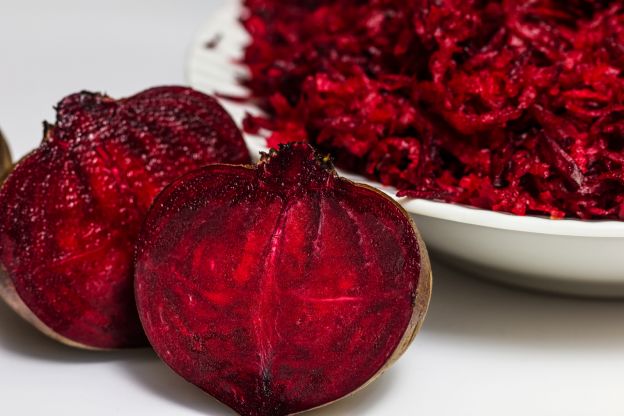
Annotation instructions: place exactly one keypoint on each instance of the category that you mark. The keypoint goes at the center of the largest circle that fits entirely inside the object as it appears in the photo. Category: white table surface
(484, 350)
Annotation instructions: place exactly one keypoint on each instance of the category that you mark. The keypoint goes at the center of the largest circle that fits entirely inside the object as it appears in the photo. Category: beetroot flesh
(72, 209)
(514, 106)
(282, 287)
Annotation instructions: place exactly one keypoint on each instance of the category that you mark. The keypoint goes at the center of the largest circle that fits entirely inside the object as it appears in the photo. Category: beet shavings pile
(514, 106)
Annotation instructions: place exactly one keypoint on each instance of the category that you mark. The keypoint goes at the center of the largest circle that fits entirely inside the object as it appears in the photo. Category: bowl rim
(479, 217)
(419, 207)
(511, 222)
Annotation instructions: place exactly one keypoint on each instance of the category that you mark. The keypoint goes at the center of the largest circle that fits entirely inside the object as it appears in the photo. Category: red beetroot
(509, 105)
(282, 287)
(72, 209)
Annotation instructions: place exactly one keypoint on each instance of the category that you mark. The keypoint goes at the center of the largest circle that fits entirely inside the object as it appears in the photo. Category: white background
(484, 350)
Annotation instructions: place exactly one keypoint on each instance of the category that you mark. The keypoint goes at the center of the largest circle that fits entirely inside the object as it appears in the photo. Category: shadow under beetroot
(18, 337)
(148, 372)
(361, 401)
(153, 375)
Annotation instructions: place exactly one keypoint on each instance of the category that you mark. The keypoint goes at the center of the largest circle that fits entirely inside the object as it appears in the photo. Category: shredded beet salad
(512, 105)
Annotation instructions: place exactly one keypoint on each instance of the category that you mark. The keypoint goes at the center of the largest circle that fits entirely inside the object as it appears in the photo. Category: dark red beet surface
(279, 288)
(512, 105)
(71, 210)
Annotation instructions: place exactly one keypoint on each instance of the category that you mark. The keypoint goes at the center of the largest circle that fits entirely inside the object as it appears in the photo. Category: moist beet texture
(511, 105)
(72, 209)
(278, 288)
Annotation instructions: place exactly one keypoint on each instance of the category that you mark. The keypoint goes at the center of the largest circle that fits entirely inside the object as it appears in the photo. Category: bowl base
(552, 286)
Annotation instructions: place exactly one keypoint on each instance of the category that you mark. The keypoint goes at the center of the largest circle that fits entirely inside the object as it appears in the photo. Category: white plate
(565, 256)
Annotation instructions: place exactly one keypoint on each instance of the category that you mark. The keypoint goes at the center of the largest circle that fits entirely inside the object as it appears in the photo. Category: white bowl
(565, 256)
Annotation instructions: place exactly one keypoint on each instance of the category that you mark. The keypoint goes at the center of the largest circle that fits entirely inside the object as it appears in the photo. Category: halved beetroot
(282, 287)
(71, 210)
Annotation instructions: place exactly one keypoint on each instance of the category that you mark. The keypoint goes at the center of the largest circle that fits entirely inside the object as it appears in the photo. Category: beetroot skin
(5, 158)
(72, 209)
(282, 287)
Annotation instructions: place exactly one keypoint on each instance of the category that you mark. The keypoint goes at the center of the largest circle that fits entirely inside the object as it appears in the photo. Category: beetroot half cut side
(72, 209)
(281, 287)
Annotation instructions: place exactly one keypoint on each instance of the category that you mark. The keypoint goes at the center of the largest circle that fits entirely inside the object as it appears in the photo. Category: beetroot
(512, 105)
(282, 287)
(72, 209)
(5, 158)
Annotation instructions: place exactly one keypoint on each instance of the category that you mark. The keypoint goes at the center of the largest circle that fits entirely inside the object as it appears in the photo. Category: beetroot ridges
(282, 287)
(71, 209)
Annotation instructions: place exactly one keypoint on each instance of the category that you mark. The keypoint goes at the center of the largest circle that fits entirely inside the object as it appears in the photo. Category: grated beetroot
(514, 106)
